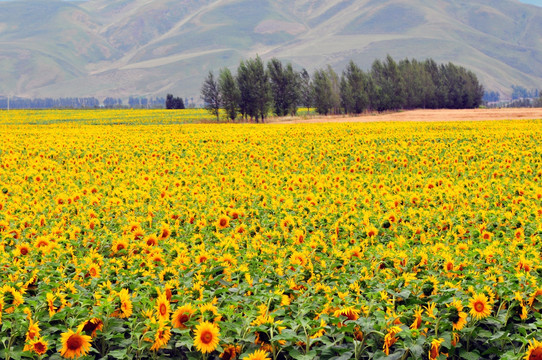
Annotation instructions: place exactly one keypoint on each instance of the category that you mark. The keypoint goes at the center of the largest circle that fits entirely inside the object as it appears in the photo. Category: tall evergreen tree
(389, 84)
(306, 89)
(323, 92)
(380, 94)
(335, 90)
(420, 84)
(246, 90)
(347, 95)
(211, 95)
(229, 93)
(262, 97)
(285, 84)
(437, 98)
(355, 98)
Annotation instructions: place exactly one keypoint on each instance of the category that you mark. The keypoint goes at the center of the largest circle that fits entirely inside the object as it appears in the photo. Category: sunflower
(457, 316)
(37, 345)
(162, 307)
(41, 242)
(23, 249)
(524, 311)
(349, 312)
(91, 326)
(206, 337)
(534, 352)
(257, 355)
(151, 240)
(94, 270)
(182, 315)
(230, 352)
(74, 344)
(209, 310)
(126, 307)
(11, 298)
(536, 297)
(430, 286)
(165, 232)
(390, 339)
(138, 234)
(480, 306)
(161, 338)
(418, 311)
(51, 303)
(119, 245)
(33, 330)
(434, 352)
(222, 222)
(371, 231)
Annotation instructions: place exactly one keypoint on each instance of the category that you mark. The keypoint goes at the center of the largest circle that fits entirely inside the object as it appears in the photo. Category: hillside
(138, 47)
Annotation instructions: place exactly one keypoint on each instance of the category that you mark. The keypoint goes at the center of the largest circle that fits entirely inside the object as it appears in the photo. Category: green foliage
(323, 92)
(174, 102)
(285, 87)
(389, 85)
(229, 93)
(307, 95)
(254, 88)
(354, 96)
(210, 95)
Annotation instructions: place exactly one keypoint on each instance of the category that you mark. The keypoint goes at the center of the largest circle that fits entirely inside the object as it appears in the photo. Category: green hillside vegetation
(134, 47)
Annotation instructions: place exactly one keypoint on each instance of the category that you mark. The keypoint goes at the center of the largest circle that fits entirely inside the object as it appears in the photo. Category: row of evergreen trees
(257, 89)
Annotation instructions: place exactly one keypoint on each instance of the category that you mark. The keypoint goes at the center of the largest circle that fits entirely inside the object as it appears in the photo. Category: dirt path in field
(424, 115)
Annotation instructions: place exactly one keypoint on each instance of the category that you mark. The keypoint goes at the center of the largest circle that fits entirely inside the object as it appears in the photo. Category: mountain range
(119, 48)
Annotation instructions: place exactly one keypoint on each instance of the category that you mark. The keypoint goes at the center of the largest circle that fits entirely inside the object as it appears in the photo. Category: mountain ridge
(136, 47)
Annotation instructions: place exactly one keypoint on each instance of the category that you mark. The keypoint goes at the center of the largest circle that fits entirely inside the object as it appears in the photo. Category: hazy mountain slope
(141, 47)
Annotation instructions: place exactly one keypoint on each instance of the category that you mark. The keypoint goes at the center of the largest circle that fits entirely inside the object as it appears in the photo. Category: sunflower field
(142, 239)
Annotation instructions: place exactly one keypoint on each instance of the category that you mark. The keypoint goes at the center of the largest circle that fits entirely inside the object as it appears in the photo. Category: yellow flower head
(206, 337)
(534, 352)
(257, 355)
(74, 344)
(480, 306)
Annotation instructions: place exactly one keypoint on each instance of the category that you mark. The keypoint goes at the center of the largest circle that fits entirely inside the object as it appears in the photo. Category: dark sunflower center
(39, 347)
(428, 289)
(206, 337)
(351, 316)
(75, 342)
(454, 315)
(536, 354)
(263, 337)
(90, 327)
(163, 309)
(479, 306)
(223, 222)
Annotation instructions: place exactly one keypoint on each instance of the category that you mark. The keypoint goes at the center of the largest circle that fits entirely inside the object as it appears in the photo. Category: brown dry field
(424, 115)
